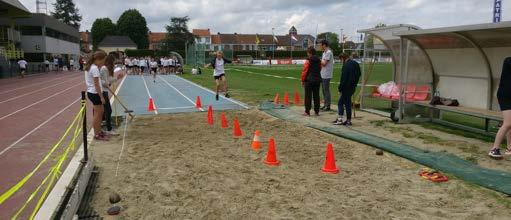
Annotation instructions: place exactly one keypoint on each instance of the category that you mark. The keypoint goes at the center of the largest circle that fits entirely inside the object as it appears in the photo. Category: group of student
(318, 72)
(100, 75)
(142, 65)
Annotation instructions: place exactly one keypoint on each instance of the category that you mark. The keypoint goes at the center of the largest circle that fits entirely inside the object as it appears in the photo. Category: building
(248, 42)
(156, 40)
(10, 36)
(202, 36)
(44, 37)
(85, 41)
(116, 44)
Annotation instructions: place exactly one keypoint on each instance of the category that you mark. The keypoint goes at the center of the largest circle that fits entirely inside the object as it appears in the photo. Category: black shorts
(142, 68)
(218, 77)
(130, 67)
(47, 65)
(94, 98)
(23, 69)
(154, 69)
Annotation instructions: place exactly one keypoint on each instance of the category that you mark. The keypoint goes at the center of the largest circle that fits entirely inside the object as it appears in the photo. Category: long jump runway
(171, 94)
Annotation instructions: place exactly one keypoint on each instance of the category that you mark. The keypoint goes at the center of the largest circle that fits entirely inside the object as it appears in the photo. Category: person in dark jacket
(504, 98)
(219, 73)
(311, 81)
(349, 79)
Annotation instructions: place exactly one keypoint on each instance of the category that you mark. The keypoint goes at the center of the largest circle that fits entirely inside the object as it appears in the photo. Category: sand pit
(178, 167)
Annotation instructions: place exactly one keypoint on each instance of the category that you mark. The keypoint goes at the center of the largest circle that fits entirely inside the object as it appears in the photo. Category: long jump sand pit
(179, 167)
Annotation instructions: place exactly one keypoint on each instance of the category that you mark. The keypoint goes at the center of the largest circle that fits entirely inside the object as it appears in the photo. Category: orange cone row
(286, 102)
(271, 155)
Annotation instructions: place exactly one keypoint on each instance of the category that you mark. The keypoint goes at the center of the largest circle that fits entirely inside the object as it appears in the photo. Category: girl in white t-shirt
(94, 91)
(154, 68)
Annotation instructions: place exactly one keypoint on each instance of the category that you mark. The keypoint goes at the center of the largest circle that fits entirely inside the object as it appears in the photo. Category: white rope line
(122, 146)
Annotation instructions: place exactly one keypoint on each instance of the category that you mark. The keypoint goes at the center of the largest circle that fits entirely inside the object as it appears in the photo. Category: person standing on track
(23, 67)
(154, 68)
(504, 98)
(219, 73)
(93, 82)
(350, 75)
(107, 78)
(327, 70)
(311, 81)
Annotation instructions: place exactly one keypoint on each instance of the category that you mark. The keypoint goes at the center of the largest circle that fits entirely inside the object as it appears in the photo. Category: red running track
(34, 113)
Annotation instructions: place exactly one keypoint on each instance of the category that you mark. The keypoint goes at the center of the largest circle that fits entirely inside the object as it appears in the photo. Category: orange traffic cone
(276, 99)
(198, 103)
(210, 115)
(151, 105)
(237, 131)
(286, 98)
(271, 155)
(225, 124)
(297, 98)
(330, 166)
(256, 143)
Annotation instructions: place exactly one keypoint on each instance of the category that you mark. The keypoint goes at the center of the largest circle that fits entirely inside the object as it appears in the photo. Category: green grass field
(254, 87)
(253, 84)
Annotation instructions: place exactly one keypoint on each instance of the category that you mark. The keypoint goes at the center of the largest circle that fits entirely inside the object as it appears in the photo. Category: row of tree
(131, 23)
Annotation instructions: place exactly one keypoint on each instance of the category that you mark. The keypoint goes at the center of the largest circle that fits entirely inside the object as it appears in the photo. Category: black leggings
(107, 114)
(312, 93)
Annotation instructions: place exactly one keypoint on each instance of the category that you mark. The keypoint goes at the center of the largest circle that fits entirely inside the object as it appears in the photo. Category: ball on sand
(379, 152)
(114, 198)
(114, 210)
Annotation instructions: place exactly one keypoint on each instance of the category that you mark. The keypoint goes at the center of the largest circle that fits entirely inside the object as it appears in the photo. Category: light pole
(273, 42)
(342, 42)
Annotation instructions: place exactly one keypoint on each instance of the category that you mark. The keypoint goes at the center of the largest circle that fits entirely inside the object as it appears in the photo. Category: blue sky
(244, 16)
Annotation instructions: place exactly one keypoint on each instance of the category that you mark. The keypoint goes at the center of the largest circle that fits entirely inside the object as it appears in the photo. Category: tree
(333, 39)
(131, 23)
(178, 34)
(66, 11)
(101, 28)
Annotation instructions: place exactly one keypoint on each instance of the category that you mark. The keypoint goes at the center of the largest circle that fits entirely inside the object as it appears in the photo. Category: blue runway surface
(171, 94)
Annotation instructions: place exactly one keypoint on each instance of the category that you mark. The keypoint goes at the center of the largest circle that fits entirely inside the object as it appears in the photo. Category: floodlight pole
(273, 42)
(342, 41)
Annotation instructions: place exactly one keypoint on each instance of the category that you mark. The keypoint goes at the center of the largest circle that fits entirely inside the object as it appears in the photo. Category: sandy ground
(418, 136)
(178, 167)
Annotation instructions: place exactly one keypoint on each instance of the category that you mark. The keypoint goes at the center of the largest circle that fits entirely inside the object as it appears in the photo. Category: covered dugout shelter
(462, 62)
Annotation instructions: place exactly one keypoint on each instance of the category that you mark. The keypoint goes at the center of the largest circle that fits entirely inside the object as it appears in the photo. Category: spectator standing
(350, 75)
(327, 70)
(311, 81)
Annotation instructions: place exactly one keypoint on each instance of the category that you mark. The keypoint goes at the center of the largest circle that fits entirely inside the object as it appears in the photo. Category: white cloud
(251, 16)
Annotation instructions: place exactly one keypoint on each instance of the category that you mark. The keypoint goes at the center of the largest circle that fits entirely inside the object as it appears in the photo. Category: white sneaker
(112, 133)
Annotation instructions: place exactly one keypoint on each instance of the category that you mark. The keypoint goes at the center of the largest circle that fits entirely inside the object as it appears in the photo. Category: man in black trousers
(350, 76)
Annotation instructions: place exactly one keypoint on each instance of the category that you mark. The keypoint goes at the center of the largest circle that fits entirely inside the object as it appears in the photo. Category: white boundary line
(166, 82)
(122, 146)
(30, 85)
(197, 85)
(54, 199)
(185, 107)
(39, 126)
(42, 100)
(148, 93)
(17, 97)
